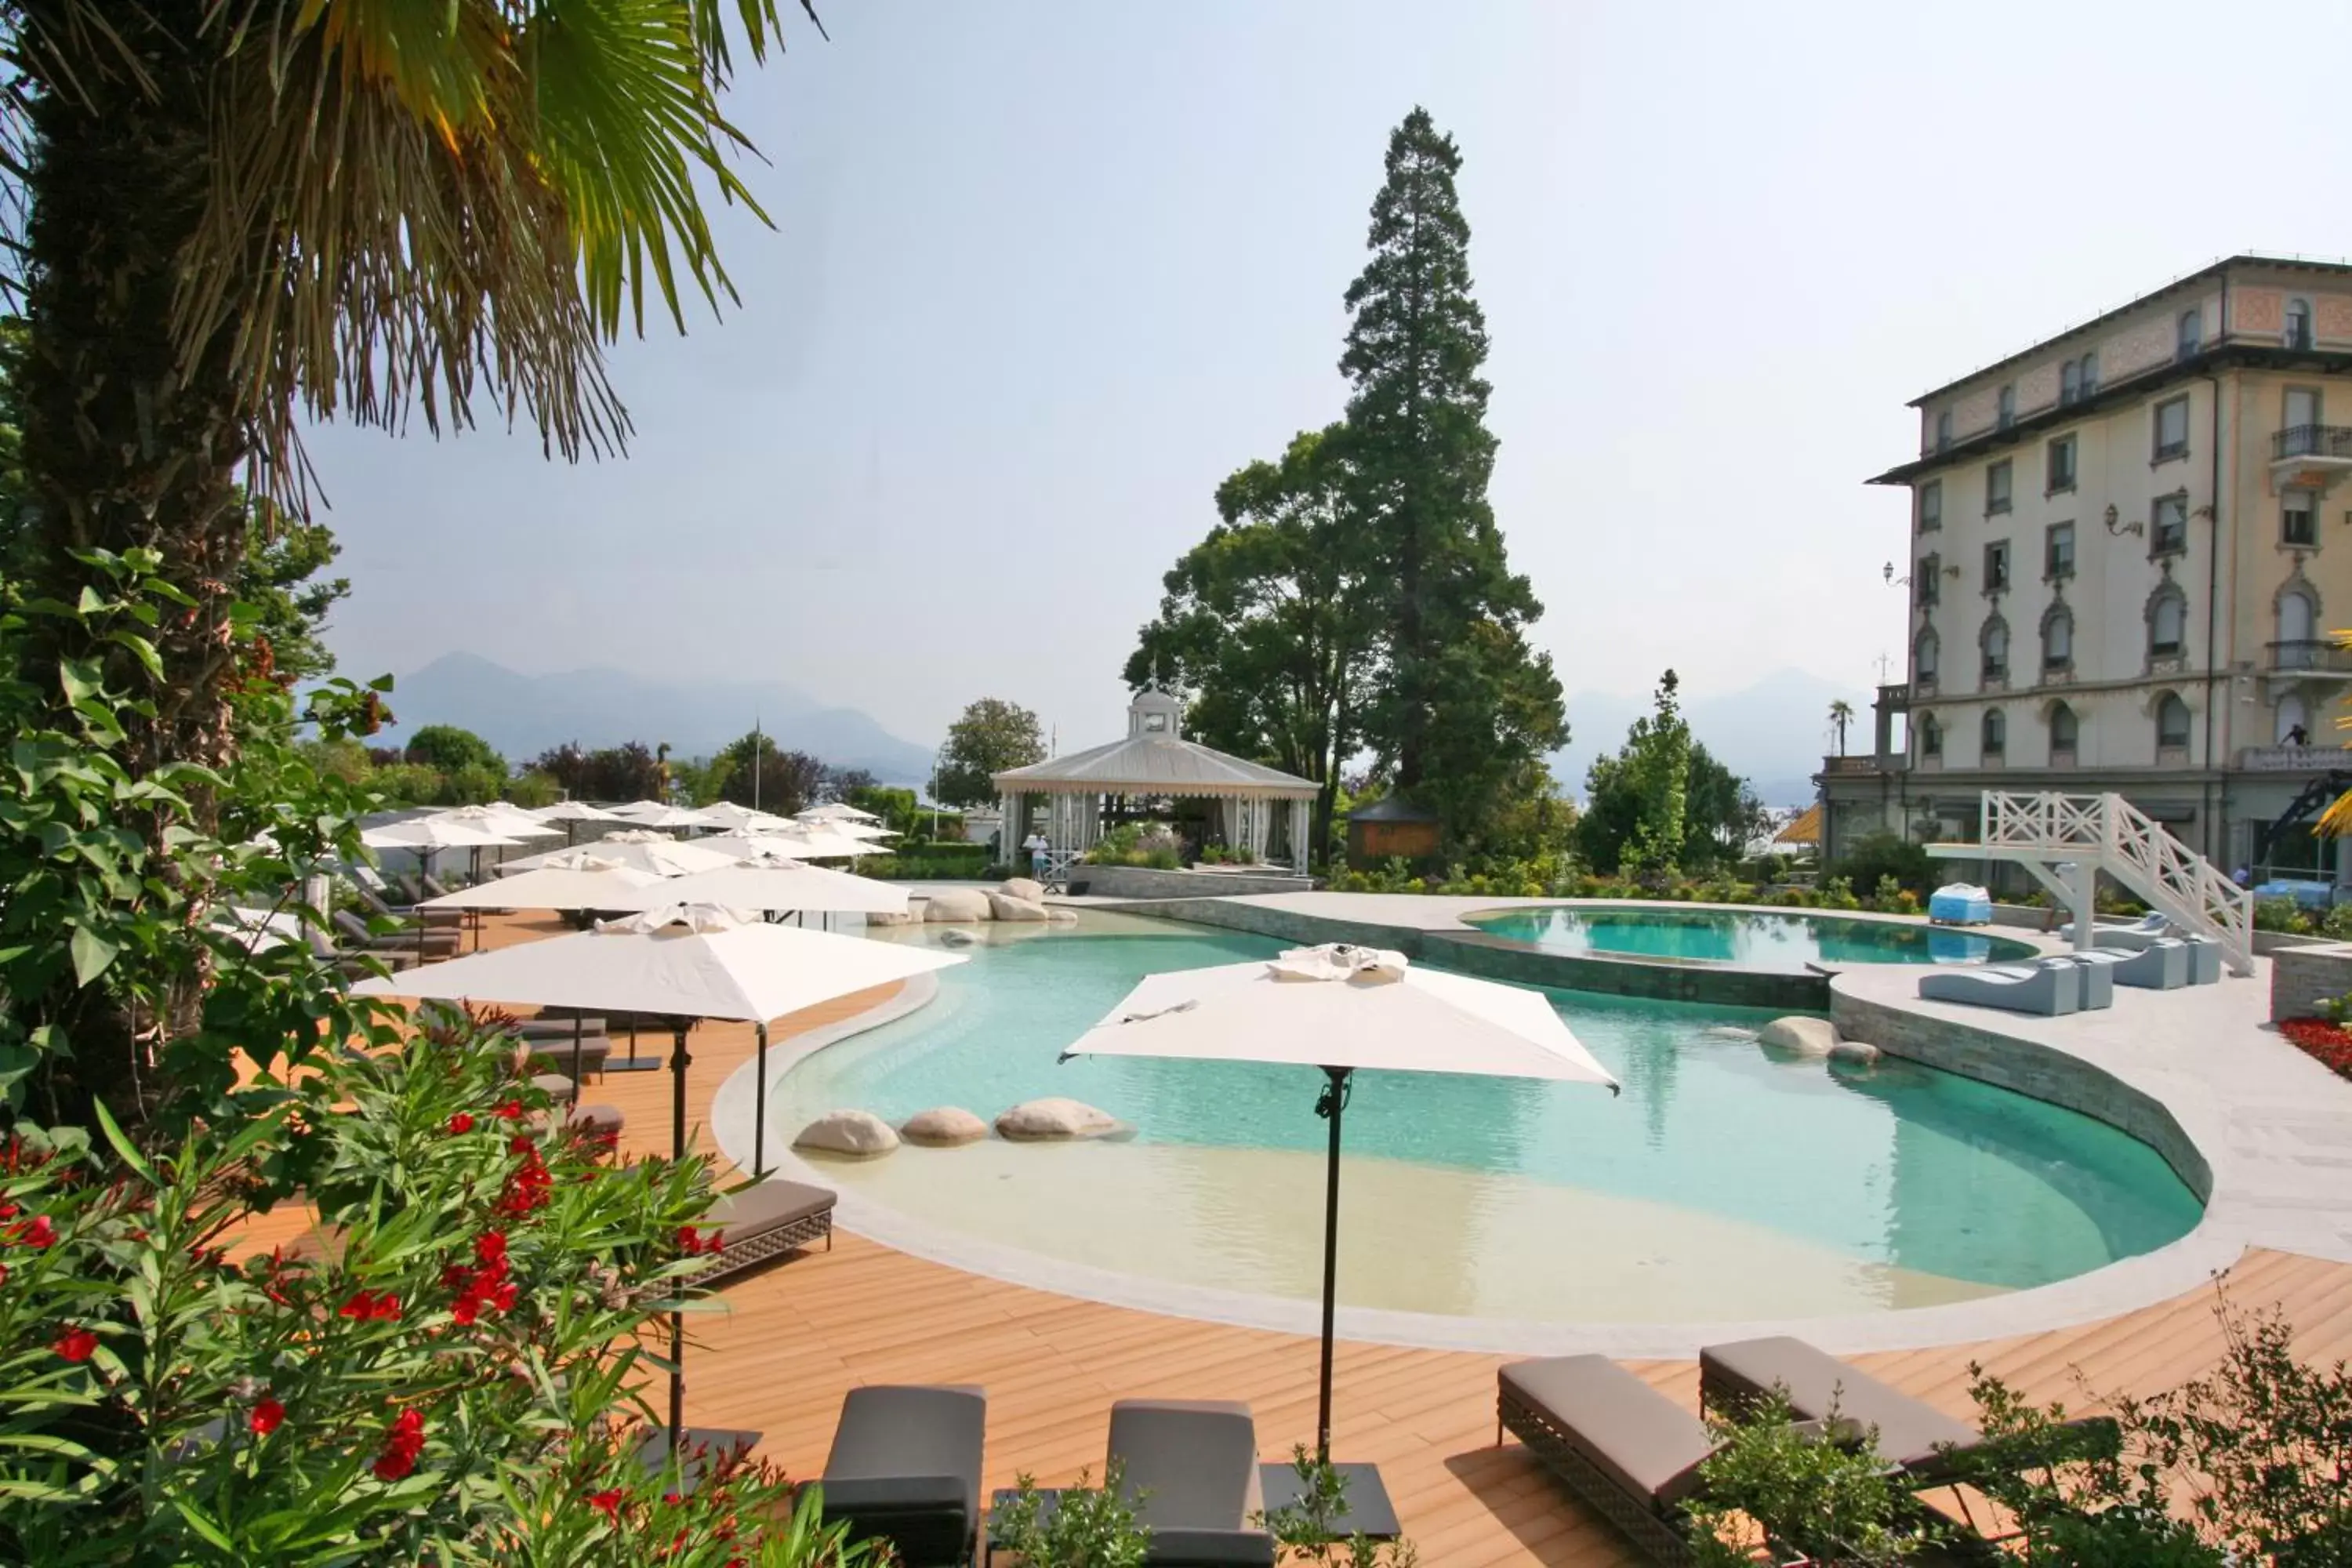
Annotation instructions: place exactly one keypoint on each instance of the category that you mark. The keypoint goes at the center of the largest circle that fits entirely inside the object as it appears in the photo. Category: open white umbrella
(656, 852)
(732, 818)
(836, 811)
(669, 816)
(499, 817)
(1340, 1009)
(432, 833)
(636, 808)
(803, 842)
(690, 962)
(571, 814)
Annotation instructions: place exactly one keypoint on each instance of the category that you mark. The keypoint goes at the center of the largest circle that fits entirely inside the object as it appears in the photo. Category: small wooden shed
(1390, 828)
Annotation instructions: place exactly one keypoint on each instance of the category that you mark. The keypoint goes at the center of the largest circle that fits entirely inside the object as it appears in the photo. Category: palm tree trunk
(128, 441)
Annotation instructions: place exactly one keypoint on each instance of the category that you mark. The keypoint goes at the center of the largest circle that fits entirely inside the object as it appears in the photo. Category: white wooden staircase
(2064, 839)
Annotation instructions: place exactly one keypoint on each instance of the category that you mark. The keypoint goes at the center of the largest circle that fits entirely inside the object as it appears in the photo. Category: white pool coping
(2273, 1127)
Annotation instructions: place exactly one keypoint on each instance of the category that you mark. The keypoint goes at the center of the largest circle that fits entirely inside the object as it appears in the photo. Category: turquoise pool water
(1894, 1185)
(1786, 942)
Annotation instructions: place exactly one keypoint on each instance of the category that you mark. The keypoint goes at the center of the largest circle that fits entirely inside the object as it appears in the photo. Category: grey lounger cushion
(767, 1220)
(602, 1121)
(1909, 1432)
(555, 1086)
(2021, 989)
(2204, 959)
(1192, 1464)
(2094, 973)
(2161, 965)
(905, 1467)
(1640, 1440)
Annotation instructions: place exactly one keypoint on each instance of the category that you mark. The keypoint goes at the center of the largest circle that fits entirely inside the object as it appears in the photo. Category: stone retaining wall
(2302, 977)
(1150, 882)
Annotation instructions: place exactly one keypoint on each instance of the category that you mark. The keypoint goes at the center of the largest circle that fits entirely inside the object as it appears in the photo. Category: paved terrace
(794, 1337)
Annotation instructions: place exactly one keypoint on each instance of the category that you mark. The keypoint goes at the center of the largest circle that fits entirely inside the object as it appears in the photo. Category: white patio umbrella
(571, 814)
(430, 835)
(809, 843)
(690, 962)
(668, 817)
(732, 818)
(498, 816)
(656, 852)
(633, 808)
(836, 811)
(1340, 1009)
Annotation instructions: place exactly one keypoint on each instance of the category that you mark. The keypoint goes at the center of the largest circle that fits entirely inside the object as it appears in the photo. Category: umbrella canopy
(808, 843)
(773, 887)
(637, 807)
(432, 833)
(836, 811)
(654, 852)
(752, 845)
(736, 818)
(1341, 1008)
(865, 830)
(665, 816)
(574, 811)
(498, 818)
(583, 881)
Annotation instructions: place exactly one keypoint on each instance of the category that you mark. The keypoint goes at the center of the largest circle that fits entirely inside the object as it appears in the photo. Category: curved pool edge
(734, 1104)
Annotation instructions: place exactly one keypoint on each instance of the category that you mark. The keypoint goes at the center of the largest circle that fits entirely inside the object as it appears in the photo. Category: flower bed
(2325, 1042)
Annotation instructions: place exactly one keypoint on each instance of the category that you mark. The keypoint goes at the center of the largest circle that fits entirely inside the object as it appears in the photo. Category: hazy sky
(1043, 274)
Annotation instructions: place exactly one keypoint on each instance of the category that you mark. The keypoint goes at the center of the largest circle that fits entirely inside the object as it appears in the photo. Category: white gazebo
(1262, 810)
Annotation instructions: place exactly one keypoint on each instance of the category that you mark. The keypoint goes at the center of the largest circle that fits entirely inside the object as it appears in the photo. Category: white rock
(1035, 1119)
(1799, 1036)
(958, 939)
(1006, 907)
(1727, 1032)
(847, 1132)
(1023, 888)
(943, 1127)
(956, 904)
(1060, 916)
(1862, 1053)
(912, 915)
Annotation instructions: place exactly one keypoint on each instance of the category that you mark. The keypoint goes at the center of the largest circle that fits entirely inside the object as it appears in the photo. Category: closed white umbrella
(656, 852)
(690, 962)
(1340, 1009)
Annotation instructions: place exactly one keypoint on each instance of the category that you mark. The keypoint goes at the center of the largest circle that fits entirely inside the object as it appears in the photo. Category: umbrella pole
(1333, 1101)
(579, 1025)
(678, 1062)
(759, 1110)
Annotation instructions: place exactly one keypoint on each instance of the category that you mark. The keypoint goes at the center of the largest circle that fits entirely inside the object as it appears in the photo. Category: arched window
(1922, 657)
(2065, 729)
(2192, 334)
(2167, 622)
(1995, 643)
(2297, 619)
(2172, 723)
(2058, 638)
(1943, 429)
(1996, 733)
(1931, 736)
(2298, 324)
(2005, 411)
(2070, 382)
(2090, 373)
(2293, 721)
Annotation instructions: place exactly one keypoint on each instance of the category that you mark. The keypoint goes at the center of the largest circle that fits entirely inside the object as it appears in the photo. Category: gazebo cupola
(1156, 711)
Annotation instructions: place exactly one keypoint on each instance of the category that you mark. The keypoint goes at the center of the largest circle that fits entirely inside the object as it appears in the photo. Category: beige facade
(2127, 548)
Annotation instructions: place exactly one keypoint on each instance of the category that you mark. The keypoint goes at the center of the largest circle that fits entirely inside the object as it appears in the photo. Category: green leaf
(123, 1145)
(80, 676)
(91, 954)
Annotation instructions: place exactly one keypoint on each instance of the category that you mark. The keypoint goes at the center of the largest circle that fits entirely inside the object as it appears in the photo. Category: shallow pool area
(1784, 942)
(1726, 1182)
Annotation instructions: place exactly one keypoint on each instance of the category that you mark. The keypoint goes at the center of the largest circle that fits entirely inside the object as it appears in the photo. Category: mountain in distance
(1773, 733)
(524, 715)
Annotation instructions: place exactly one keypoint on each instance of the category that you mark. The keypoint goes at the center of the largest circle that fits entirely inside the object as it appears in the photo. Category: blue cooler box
(1960, 905)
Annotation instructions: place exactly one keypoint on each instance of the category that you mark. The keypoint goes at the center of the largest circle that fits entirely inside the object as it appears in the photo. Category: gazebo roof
(1155, 759)
(1805, 830)
(1391, 808)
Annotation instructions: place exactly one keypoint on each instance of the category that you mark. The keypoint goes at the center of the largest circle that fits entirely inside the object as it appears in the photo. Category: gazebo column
(1302, 817)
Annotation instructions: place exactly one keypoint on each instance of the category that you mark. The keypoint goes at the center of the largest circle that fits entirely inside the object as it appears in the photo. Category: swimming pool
(1725, 1183)
(1786, 944)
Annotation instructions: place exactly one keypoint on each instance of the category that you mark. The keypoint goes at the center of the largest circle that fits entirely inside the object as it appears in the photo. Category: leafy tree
(629, 772)
(991, 736)
(755, 771)
(1657, 756)
(842, 783)
(1721, 815)
(1271, 622)
(449, 748)
(1878, 855)
(1633, 805)
(1460, 701)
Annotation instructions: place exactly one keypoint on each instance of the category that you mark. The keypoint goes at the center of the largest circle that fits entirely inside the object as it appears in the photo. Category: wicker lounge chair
(603, 1121)
(904, 1468)
(2018, 989)
(1190, 1467)
(1626, 1449)
(767, 1220)
(433, 920)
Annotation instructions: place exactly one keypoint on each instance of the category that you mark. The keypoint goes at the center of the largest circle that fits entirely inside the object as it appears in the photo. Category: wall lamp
(2113, 527)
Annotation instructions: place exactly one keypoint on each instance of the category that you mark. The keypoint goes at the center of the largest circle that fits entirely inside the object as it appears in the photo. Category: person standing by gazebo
(1038, 848)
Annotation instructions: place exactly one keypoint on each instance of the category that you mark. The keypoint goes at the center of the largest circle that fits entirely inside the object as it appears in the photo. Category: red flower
(265, 1416)
(522, 1143)
(715, 1243)
(467, 1308)
(368, 1307)
(490, 1249)
(9, 1211)
(461, 1122)
(4, 1274)
(402, 1445)
(607, 1503)
(34, 1232)
(75, 1344)
(511, 1111)
(505, 1295)
(673, 1499)
(689, 1241)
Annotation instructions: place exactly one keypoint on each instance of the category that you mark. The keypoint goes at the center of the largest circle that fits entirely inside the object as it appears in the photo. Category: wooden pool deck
(796, 1336)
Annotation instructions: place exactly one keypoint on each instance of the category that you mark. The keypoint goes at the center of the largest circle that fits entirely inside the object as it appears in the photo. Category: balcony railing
(2293, 759)
(2316, 654)
(1862, 763)
(2312, 441)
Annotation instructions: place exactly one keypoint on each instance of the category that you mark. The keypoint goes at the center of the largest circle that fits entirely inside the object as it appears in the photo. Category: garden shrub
(2282, 915)
(1830, 1503)
(1878, 855)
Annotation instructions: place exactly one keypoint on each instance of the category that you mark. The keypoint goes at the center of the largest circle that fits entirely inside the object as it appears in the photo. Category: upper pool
(1749, 938)
(1725, 1182)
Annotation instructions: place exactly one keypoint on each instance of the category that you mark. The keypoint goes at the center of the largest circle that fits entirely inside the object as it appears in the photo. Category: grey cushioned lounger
(2204, 959)
(2161, 965)
(1192, 1464)
(2019, 989)
(2094, 972)
(1733, 1377)
(1625, 1449)
(767, 1220)
(904, 1468)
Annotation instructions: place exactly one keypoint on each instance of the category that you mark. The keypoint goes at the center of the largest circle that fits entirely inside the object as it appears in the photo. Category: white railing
(2134, 849)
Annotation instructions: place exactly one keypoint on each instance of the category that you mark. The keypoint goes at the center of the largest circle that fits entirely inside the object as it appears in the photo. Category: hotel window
(2064, 731)
(2061, 464)
(2189, 336)
(2171, 429)
(2005, 413)
(1997, 488)
(2299, 518)
(2298, 324)
(1997, 567)
(2070, 383)
(1931, 736)
(1996, 649)
(2294, 722)
(1944, 430)
(2058, 638)
(2297, 619)
(2090, 373)
(2058, 552)
(1923, 579)
(2167, 622)
(1996, 734)
(2172, 723)
(1931, 505)
(2167, 524)
(1922, 658)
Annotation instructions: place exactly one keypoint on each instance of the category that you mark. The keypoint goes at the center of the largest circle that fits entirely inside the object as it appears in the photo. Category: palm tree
(1841, 715)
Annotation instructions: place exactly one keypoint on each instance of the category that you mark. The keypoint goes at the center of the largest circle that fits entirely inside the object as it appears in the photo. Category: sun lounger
(1620, 1445)
(2161, 965)
(904, 1468)
(433, 920)
(429, 944)
(2204, 959)
(1190, 1468)
(2094, 973)
(1734, 1377)
(555, 1086)
(767, 1220)
(2018, 989)
(605, 1121)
